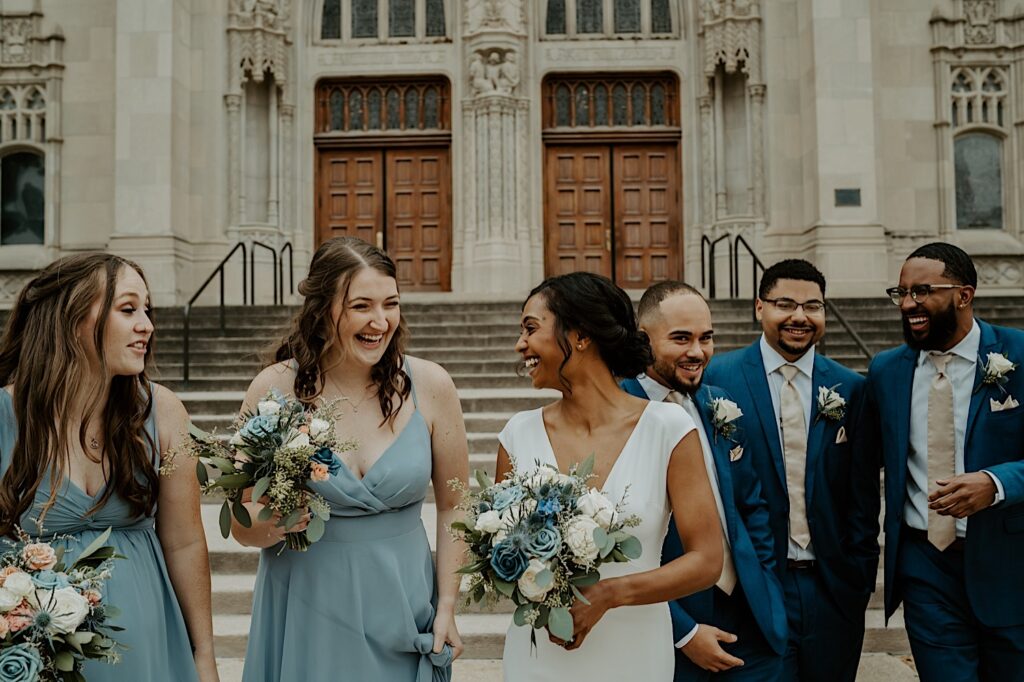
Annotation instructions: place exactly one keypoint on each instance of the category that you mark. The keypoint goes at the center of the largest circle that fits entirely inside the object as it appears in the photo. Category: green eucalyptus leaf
(222, 463)
(519, 617)
(241, 513)
(600, 537)
(585, 579)
(545, 579)
(560, 623)
(201, 473)
(315, 529)
(543, 613)
(631, 547)
(579, 595)
(225, 520)
(292, 518)
(65, 661)
(233, 481)
(503, 587)
(586, 467)
(260, 489)
(483, 479)
(265, 514)
(100, 540)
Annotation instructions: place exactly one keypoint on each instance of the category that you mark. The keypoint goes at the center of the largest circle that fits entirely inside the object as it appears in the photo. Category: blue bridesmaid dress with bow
(359, 604)
(157, 647)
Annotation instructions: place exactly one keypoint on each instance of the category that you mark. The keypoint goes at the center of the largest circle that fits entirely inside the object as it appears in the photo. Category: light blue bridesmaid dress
(359, 604)
(158, 648)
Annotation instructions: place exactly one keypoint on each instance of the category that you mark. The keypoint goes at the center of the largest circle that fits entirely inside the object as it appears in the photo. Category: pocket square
(736, 453)
(1007, 404)
(841, 436)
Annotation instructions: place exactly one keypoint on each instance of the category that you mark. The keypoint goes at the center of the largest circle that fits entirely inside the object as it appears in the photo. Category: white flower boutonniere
(831, 405)
(723, 413)
(995, 370)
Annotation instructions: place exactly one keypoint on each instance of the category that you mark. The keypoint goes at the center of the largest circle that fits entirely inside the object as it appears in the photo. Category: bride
(578, 333)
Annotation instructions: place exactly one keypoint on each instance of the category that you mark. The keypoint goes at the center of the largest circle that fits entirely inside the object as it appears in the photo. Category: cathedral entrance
(384, 173)
(612, 178)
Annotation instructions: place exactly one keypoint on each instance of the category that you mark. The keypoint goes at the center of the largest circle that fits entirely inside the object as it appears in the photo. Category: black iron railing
(219, 270)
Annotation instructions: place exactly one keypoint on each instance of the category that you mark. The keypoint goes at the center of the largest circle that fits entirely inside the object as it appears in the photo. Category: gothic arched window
(382, 19)
(22, 198)
(608, 18)
(978, 168)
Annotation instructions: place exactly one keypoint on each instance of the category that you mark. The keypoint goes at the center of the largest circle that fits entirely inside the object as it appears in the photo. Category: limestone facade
(846, 132)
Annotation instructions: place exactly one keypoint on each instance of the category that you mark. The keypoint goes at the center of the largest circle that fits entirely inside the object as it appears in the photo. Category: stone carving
(731, 32)
(716, 10)
(981, 27)
(999, 272)
(493, 72)
(259, 40)
(495, 15)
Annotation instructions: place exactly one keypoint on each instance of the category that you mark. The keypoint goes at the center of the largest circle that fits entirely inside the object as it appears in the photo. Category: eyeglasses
(788, 305)
(918, 293)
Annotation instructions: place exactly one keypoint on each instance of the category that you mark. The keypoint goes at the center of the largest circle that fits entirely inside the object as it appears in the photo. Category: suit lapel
(720, 448)
(757, 384)
(816, 442)
(900, 387)
(979, 396)
(633, 387)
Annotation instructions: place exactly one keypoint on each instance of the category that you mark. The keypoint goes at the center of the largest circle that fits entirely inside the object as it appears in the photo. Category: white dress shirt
(961, 372)
(658, 393)
(803, 381)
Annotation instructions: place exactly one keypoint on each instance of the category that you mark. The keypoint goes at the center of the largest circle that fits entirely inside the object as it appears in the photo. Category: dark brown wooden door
(613, 210)
(398, 199)
(578, 210)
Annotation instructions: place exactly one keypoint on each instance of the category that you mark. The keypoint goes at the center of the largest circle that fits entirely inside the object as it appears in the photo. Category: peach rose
(20, 617)
(39, 556)
(303, 429)
(5, 628)
(93, 596)
(318, 472)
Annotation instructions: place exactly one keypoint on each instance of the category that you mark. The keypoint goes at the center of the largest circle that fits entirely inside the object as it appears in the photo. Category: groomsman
(802, 412)
(738, 627)
(952, 443)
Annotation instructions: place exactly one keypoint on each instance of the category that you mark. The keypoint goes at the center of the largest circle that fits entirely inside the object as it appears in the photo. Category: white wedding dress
(629, 642)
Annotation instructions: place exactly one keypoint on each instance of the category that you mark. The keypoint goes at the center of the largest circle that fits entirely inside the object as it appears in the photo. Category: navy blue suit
(754, 611)
(825, 603)
(964, 610)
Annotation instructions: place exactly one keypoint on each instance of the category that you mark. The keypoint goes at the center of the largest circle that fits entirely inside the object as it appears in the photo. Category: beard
(798, 350)
(941, 330)
(666, 371)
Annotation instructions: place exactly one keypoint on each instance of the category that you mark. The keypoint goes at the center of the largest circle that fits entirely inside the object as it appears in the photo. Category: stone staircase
(474, 342)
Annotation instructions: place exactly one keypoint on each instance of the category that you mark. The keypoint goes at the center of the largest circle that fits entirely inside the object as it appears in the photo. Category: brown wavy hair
(312, 332)
(46, 362)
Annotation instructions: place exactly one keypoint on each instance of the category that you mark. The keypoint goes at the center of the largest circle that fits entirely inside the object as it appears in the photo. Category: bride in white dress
(579, 333)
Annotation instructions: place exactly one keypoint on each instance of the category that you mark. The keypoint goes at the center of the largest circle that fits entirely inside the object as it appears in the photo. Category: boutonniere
(723, 413)
(995, 370)
(831, 405)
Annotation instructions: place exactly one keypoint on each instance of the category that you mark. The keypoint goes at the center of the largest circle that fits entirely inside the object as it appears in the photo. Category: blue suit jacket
(994, 441)
(835, 483)
(750, 538)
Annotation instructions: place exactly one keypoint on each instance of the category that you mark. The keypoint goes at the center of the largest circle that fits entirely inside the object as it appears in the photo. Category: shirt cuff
(1000, 495)
(687, 637)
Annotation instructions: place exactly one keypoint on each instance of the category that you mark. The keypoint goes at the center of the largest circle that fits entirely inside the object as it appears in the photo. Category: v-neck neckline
(618, 458)
(390, 446)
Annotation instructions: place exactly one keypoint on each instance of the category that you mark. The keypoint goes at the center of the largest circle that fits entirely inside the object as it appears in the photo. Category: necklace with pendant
(352, 403)
(94, 443)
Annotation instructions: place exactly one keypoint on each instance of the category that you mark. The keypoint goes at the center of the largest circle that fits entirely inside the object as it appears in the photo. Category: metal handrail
(219, 270)
(252, 274)
(755, 263)
(834, 309)
(291, 269)
(710, 281)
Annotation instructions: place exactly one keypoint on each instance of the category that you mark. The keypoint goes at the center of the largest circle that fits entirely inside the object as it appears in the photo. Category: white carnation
(528, 586)
(8, 600)
(489, 522)
(579, 535)
(300, 441)
(266, 407)
(595, 505)
(318, 428)
(67, 608)
(20, 584)
(999, 364)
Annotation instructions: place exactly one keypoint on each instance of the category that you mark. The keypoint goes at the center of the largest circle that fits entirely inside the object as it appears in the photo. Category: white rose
(500, 535)
(562, 479)
(20, 584)
(999, 364)
(318, 427)
(265, 407)
(300, 441)
(8, 600)
(595, 505)
(489, 522)
(726, 410)
(528, 581)
(66, 607)
(579, 535)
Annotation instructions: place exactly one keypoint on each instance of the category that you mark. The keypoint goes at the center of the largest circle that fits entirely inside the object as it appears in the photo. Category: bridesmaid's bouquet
(538, 538)
(276, 451)
(53, 617)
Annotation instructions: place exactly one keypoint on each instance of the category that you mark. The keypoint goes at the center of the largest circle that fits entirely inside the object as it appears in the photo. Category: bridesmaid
(83, 434)
(363, 602)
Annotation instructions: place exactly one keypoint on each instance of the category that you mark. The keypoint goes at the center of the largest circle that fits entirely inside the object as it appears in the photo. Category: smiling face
(367, 318)
(128, 327)
(682, 339)
(538, 344)
(791, 334)
(944, 317)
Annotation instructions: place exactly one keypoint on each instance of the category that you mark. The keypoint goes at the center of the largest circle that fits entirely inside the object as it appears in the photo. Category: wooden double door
(614, 210)
(398, 199)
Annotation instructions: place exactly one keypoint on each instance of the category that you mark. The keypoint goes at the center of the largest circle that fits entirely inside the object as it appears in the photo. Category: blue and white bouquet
(276, 450)
(537, 538)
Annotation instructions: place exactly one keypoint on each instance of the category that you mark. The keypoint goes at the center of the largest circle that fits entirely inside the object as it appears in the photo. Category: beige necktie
(941, 435)
(727, 581)
(794, 446)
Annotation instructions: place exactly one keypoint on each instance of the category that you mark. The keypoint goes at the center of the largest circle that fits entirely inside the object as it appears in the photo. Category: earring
(579, 346)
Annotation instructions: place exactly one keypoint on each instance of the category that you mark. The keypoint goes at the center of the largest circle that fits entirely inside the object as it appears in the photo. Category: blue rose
(545, 543)
(506, 497)
(259, 427)
(49, 580)
(20, 663)
(549, 506)
(508, 561)
(327, 457)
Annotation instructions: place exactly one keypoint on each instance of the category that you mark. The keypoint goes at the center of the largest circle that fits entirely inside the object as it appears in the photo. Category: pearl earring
(579, 346)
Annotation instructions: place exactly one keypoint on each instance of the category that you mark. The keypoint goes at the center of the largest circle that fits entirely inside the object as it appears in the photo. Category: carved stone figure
(980, 28)
(494, 14)
(478, 77)
(508, 74)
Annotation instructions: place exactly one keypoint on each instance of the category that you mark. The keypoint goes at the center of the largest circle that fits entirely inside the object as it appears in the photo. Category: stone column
(233, 104)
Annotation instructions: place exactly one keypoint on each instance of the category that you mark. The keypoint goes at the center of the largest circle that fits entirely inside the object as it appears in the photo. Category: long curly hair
(312, 331)
(47, 364)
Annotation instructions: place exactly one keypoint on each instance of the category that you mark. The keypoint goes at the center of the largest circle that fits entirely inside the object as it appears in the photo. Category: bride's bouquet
(538, 538)
(54, 617)
(276, 451)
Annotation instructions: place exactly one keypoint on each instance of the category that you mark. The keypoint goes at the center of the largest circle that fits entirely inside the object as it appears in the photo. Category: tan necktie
(727, 581)
(794, 445)
(941, 458)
